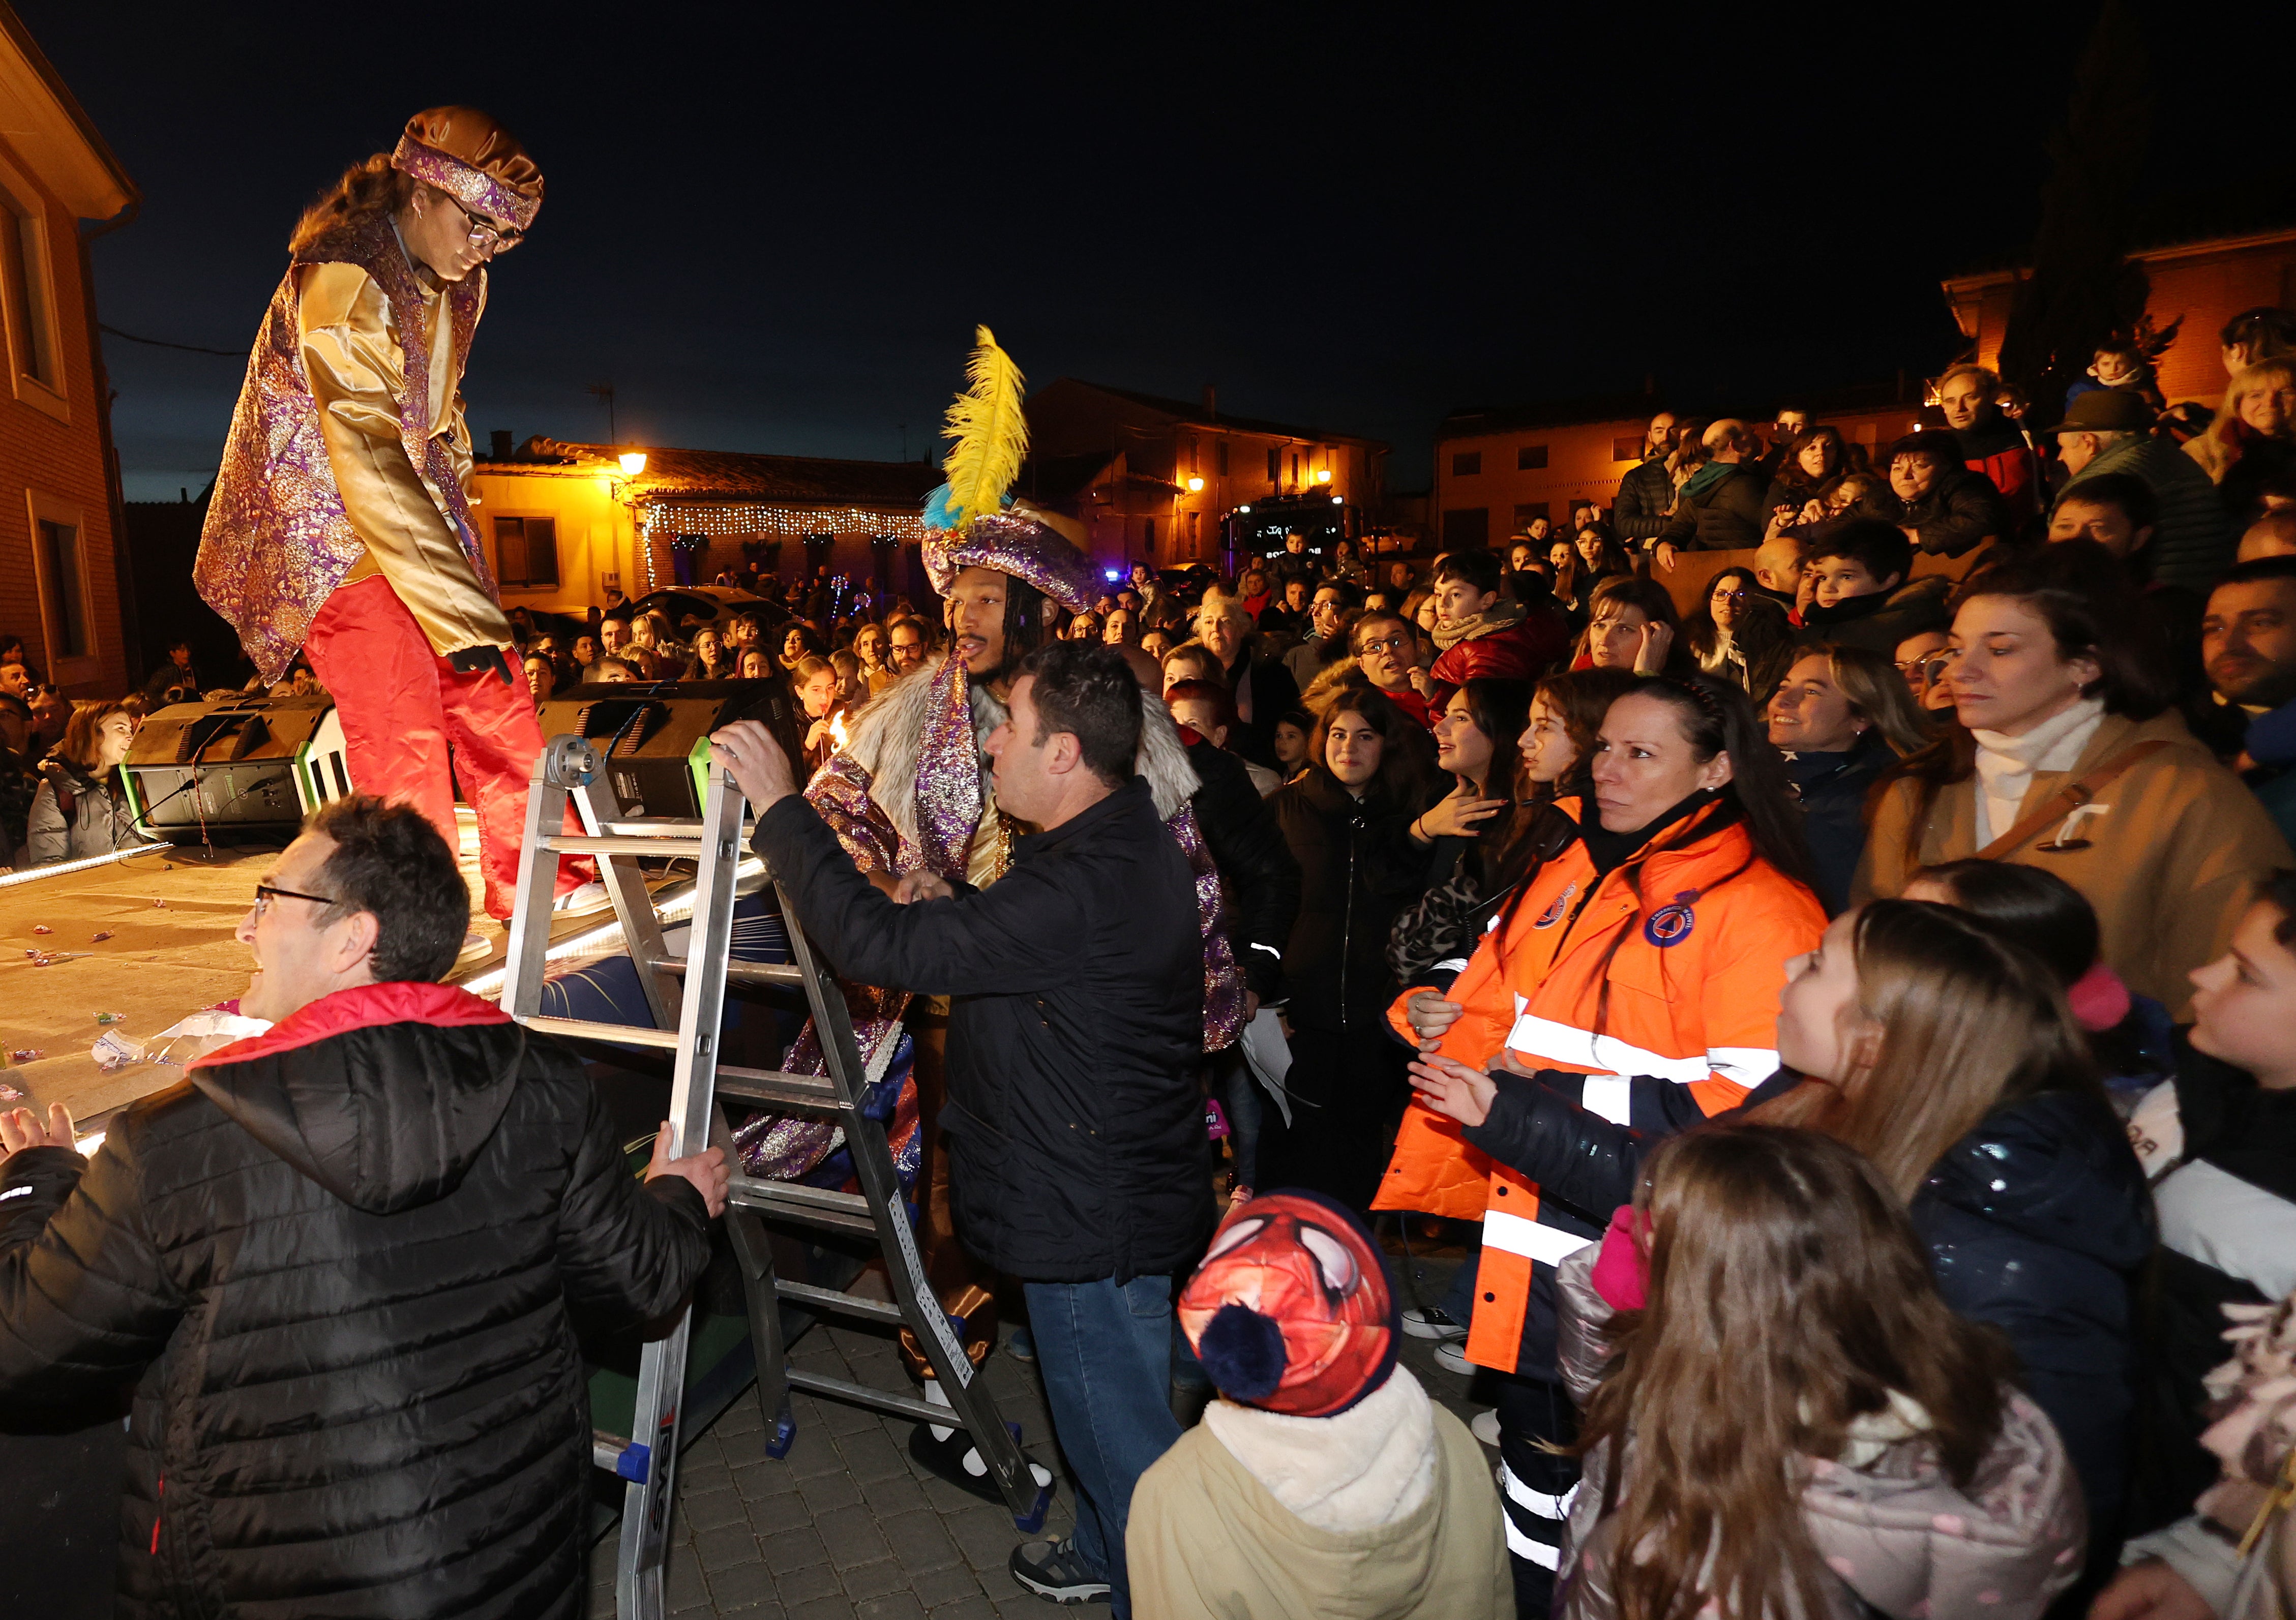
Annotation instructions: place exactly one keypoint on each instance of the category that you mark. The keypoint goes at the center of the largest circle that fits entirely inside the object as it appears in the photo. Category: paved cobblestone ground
(847, 1527)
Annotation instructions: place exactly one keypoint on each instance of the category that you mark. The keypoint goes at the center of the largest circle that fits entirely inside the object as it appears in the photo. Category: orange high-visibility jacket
(1692, 963)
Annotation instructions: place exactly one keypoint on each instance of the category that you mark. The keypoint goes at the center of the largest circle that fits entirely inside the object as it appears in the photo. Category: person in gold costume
(340, 523)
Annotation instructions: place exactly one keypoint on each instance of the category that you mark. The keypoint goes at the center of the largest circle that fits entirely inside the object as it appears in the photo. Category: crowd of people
(1850, 1023)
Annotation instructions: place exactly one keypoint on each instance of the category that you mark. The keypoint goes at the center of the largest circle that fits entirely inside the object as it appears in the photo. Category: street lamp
(1196, 485)
(1323, 475)
(633, 462)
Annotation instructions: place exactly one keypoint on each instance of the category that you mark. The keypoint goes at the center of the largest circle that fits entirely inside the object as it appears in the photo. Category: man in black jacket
(1079, 1162)
(1720, 506)
(341, 1258)
(1647, 490)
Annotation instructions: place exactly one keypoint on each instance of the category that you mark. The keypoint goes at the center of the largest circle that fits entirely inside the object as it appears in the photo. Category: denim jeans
(1105, 1355)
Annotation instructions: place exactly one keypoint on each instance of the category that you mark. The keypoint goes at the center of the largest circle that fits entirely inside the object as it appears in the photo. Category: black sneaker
(1052, 1570)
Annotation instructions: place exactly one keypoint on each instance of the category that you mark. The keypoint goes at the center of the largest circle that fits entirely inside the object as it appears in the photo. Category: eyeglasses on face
(1386, 643)
(488, 234)
(266, 893)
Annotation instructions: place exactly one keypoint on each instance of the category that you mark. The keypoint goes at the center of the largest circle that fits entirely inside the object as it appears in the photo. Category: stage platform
(150, 938)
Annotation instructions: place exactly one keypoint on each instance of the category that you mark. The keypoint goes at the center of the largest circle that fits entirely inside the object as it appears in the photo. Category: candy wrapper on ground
(178, 1044)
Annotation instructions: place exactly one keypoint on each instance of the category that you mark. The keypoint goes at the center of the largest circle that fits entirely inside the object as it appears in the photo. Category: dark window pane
(67, 607)
(1466, 463)
(1529, 458)
(1626, 449)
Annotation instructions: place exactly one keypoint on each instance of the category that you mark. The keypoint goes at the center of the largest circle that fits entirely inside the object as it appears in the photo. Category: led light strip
(490, 982)
(61, 867)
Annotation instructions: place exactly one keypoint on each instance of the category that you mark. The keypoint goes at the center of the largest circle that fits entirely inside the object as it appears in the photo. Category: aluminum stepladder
(686, 1022)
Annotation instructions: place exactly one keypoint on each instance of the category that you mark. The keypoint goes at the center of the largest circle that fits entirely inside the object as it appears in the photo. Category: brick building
(64, 580)
(561, 522)
(1162, 481)
(2202, 282)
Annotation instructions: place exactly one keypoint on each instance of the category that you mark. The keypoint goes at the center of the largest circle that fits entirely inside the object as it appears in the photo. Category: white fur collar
(888, 730)
(1367, 1467)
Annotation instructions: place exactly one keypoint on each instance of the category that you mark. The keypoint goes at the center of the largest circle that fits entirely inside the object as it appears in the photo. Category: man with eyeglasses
(1387, 651)
(339, 1265)
(340, 526)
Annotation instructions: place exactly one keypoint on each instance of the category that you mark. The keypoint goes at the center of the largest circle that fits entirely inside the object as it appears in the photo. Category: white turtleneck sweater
(2007, 765)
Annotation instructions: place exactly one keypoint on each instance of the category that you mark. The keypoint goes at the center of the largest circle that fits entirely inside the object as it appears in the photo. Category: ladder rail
(686, 999)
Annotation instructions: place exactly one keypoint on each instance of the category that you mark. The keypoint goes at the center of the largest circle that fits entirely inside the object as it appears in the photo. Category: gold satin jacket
(348, 455)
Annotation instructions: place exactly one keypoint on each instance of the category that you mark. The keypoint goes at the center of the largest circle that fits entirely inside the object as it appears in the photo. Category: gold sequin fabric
(277, 542)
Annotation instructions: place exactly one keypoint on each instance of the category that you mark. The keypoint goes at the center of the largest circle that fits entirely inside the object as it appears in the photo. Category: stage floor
(169, 917)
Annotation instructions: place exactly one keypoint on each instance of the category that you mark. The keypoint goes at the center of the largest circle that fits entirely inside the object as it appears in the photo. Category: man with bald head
(1719, 508)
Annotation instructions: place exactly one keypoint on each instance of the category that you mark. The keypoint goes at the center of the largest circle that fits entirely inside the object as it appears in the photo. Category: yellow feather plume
(988, 432)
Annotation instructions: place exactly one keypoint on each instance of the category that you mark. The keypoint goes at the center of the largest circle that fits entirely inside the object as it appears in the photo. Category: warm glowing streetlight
(1196, 485)
(633, 462)
(1323, 475)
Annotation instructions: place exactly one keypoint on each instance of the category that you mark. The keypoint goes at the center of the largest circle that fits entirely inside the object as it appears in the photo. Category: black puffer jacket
(341, 1259)
(2037, 1221)
(1357, 869)
(1074, 1120)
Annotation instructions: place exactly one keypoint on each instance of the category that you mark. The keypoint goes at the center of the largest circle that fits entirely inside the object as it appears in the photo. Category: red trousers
(406, 710)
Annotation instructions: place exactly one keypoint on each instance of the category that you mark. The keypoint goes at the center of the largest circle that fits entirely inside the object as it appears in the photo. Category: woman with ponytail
(1629, 989)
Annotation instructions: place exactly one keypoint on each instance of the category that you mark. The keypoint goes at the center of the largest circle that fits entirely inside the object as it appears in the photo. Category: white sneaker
(1432, 1323)
(592, 896)
(1485, 1426)
(1450, 1358)
(474, 944)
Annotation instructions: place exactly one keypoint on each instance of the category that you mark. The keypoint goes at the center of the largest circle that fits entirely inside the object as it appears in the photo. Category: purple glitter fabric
(1012, 545)
(1223, 981)
(949, 803)
(478, 191)
(276, 542)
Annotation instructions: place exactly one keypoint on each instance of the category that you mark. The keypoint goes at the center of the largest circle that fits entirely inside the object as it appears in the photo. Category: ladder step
(831, 1299)
(750, 972)
(620, 1035)
(883, 1400)
(786, 1200)
(774, 1089)
(576, 843)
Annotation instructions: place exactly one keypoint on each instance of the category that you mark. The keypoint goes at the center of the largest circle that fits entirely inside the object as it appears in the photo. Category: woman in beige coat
(2067, 758)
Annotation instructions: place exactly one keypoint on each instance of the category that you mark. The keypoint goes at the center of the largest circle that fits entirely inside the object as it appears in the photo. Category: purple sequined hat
(1020, 541)
(474, 160)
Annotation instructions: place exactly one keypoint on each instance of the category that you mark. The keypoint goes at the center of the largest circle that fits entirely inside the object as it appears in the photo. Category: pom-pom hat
(1292, 1310)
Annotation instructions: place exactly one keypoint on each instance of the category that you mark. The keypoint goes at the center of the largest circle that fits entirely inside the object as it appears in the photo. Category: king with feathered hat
(910, 793)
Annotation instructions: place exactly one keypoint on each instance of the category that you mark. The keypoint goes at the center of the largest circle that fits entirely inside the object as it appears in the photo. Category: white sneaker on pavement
(1485, 1426)
(1450, 1358)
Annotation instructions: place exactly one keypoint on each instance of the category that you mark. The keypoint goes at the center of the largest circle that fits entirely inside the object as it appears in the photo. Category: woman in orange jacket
(1630, 989)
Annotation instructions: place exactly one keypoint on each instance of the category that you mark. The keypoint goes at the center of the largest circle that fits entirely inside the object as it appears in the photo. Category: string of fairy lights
(669, 521)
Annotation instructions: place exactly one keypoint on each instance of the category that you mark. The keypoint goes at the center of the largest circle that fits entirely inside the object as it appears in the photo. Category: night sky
(772, 229)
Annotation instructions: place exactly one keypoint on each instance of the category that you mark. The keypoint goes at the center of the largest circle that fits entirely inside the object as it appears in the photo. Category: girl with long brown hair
(1783, 1416)
(1926, 1039)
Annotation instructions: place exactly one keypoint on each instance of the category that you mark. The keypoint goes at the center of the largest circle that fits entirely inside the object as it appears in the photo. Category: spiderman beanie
(1292, 1310)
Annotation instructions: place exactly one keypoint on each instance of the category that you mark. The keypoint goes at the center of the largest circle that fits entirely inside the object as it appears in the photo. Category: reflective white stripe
(1271, 949)
(1540, 1037)
(1747, 1065)
(1533, 1501)
(1511, 1234)
(1524, 1546)
(1609, 1095)
(1451, 964)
